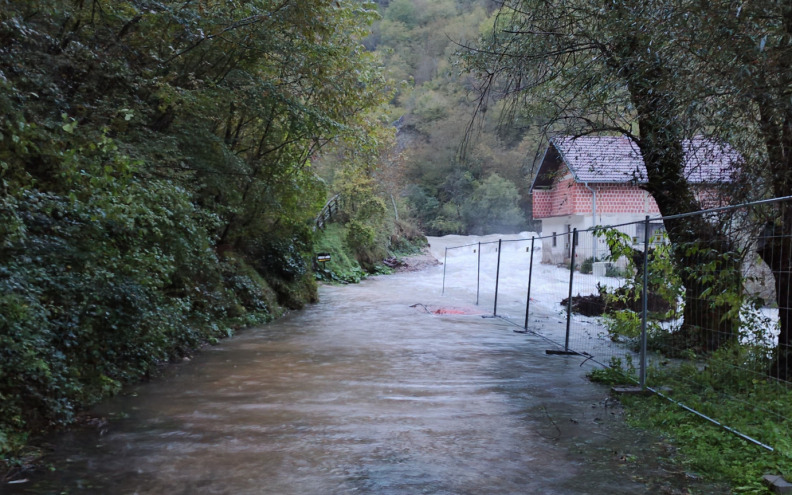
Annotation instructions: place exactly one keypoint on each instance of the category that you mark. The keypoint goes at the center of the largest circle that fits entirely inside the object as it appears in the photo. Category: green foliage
(617, 373)
(624, 324)
(664, 287)
(360, 236)
(469, 206)
(342, 267)
(251, 300)
(402, 11)
(156, 184)
(724, 390)
(365, 214)
(587, 266)
(424, 206)
(619, 243)
(417, 41)
(406, 239)
(728, 384)
(493, 207)
(448, 221)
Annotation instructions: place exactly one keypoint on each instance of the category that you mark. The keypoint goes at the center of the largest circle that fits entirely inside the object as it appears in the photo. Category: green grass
(753, 406)
(342, 267)
(705, 449)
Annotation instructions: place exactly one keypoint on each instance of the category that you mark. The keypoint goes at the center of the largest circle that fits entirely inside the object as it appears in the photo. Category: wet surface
(363, 393)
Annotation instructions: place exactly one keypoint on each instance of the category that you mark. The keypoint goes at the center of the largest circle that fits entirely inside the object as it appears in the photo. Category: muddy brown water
(362, 393)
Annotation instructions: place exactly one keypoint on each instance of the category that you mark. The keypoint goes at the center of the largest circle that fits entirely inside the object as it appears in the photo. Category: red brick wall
(622, 198)
(570, 198)
(560, 200)
(542, 203)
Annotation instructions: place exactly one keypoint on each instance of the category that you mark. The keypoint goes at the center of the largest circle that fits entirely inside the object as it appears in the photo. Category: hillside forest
(459, 175)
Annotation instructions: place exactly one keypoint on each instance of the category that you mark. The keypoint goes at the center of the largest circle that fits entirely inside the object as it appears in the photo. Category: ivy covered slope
(156, 188)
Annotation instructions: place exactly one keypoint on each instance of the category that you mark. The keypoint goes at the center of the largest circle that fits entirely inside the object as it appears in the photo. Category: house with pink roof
(597, 180)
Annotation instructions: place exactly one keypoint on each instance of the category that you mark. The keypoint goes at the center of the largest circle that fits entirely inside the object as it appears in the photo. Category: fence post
(571, 278)
(644, 306)
(478, 273)
(530, 276)
(445, 260)
(497, 279)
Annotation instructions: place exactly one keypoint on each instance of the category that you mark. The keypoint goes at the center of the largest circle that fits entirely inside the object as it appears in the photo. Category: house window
(555, 240)
(656, 230)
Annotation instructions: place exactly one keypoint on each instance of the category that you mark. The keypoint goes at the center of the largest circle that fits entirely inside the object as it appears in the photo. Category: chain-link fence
(695, 307)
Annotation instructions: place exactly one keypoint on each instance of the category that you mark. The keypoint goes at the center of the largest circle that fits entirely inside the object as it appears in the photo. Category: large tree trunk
(711, 274)
(775, 246)
(703, 255)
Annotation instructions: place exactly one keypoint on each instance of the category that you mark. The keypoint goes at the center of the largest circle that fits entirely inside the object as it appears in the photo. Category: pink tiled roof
(610, 159)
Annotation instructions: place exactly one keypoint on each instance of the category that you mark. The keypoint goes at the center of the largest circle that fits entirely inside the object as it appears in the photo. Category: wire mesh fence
(694, 307)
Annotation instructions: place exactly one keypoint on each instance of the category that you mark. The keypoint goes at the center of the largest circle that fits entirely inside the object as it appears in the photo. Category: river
(365, 393)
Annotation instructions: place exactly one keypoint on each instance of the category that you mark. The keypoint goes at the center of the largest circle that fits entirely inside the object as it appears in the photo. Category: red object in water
(437, 310)
(451, 311)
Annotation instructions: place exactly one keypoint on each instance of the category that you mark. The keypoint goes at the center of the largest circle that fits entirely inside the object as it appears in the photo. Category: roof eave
(564, 160)
(541, 163)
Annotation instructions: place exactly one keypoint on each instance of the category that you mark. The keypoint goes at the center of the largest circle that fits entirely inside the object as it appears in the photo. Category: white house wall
(588, 245)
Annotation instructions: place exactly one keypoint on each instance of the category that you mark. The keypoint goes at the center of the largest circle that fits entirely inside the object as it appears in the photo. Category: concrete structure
(597, 180)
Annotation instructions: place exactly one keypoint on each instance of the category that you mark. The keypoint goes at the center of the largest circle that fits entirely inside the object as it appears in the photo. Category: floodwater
(364, 393)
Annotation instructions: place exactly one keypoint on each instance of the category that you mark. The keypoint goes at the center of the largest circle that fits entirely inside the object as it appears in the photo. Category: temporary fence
(700, 315)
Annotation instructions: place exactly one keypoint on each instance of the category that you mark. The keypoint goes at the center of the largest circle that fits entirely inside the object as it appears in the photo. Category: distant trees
(417, 39)
(470, 206)
(493, 207)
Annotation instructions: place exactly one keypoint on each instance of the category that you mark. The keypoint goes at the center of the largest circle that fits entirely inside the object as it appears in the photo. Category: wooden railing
(328, 210)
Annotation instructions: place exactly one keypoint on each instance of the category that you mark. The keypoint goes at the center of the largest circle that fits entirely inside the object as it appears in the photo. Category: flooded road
(362, 393)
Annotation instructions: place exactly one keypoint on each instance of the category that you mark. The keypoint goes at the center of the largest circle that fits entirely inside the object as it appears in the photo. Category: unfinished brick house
(596, 180)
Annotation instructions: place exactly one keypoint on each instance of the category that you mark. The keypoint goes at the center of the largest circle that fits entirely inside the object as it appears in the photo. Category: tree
(744, 52)
(619, 68)
(416, 40)
(156, 188)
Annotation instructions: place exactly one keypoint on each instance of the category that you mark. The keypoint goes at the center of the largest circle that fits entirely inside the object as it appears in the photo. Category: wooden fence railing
(328, 210)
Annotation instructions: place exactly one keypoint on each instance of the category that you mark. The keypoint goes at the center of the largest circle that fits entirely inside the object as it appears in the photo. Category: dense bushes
(98, 292)
(155, 181)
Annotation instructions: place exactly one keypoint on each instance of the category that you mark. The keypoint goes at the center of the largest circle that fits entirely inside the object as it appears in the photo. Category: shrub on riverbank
(95, 293)
(345, 266)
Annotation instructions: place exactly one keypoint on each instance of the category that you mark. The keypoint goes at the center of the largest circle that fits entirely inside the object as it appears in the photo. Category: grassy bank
(705, 449)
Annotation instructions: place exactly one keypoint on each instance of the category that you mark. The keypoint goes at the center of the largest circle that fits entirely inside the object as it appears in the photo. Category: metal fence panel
(701, 320)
